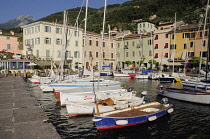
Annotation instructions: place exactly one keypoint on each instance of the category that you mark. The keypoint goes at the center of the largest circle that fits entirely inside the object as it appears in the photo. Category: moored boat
(131, 116)
(184, 95)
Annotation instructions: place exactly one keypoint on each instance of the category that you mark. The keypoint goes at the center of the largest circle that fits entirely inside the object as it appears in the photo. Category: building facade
(44, 41)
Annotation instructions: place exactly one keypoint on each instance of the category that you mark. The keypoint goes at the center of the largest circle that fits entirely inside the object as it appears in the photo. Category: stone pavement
(21, 116)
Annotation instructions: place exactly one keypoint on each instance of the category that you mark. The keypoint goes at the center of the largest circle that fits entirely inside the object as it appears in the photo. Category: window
(76, 33)
(156, 55)
(204, 54)
(37, 40)
(96, 43)
(58, 31)
(172, 36)
(37, 28)
(8, 38)
(32, 30)
(166, 55)
(185, 45)
(76, 43)
(192, 35)
(59, 54)
(191, 44)
(112, 55)
(133, 43)
(47, 29)
(76, 54)
(68, 54)
(118, 45)
(133, 53)
(47, 40)
(156, 46)
(58, 41)
(204, 43)
(37, 53)
(8, 46)
(90, 54)
(150, 52)
(90, 42)
(166, 45)
(96, 54)
(103, 44)
(103, 54)
(173, 46)
(126, 54)
(166, 35)
(112, 45)
(47, 54)
(156, 37)
(190, 54)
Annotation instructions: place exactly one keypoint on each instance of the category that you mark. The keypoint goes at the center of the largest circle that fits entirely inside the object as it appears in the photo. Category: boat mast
(102, 41)
(203, 35)
(84, 39)
(174, 41)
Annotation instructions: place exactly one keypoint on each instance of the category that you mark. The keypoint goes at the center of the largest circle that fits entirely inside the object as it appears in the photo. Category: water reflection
(187, 121)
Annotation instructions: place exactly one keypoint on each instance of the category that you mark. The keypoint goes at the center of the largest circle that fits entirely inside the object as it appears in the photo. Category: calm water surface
(187, 121)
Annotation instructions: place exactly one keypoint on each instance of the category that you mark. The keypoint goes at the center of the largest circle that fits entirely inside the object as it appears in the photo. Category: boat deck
(132, 112)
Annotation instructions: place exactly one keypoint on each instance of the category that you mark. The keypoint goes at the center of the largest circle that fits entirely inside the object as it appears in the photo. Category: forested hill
(122, 15)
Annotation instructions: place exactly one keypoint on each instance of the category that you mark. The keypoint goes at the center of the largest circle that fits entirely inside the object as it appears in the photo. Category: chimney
(12, 32)
(0, 32)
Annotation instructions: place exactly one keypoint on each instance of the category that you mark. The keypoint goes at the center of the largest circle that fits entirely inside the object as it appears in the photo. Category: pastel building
(144, 27)
(9, 42)
(134, 48)
(97, 52)
(45, 41)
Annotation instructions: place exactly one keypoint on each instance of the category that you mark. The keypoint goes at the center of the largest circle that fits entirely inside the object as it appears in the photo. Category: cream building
(44, 41)
(97, 51)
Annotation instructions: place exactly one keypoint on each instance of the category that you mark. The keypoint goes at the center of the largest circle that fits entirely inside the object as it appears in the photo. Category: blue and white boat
(131, 116)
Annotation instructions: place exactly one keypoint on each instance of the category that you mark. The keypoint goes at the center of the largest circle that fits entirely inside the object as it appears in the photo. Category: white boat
(117, 74)
(196, 85)
(83, 95)
(141, 76)
(76, 109)
(184, 95)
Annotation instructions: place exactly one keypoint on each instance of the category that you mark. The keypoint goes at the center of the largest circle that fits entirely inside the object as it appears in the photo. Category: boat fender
(170, 110)
(121, 122)
(96, 120)
(152, 118)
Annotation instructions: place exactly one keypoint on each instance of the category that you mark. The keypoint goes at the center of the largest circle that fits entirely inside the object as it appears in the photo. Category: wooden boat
(131, 116)
(184, 95)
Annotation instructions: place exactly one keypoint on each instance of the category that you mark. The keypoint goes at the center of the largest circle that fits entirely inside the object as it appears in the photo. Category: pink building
(9, 42)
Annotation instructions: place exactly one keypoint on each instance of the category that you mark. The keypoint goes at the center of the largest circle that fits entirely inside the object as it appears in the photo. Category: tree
(152, 61)
(128, 62)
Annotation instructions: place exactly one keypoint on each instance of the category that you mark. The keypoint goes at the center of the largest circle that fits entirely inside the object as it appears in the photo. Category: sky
(11, 9)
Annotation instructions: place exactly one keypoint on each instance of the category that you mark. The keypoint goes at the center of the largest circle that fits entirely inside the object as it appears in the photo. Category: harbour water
(188, 120)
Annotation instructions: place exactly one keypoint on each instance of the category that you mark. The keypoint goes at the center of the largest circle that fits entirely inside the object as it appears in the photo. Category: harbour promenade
(21, 116)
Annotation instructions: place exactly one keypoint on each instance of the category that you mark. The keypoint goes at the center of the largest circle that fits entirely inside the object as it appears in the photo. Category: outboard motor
(144, 93)
(164, 101)
(160, 86)
(130, 89)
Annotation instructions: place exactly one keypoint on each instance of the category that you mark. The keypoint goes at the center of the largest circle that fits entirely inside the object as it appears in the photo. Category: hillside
(122, 15)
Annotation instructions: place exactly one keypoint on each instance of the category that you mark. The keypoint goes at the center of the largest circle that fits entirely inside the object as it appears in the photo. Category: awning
(46, 63)
(184, 55)
(172, 55)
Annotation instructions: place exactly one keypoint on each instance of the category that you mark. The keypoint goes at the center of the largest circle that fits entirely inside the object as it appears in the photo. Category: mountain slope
(17, 22)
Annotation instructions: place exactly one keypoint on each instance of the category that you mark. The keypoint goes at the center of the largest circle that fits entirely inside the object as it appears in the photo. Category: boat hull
(103, 122)
(189, 96)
